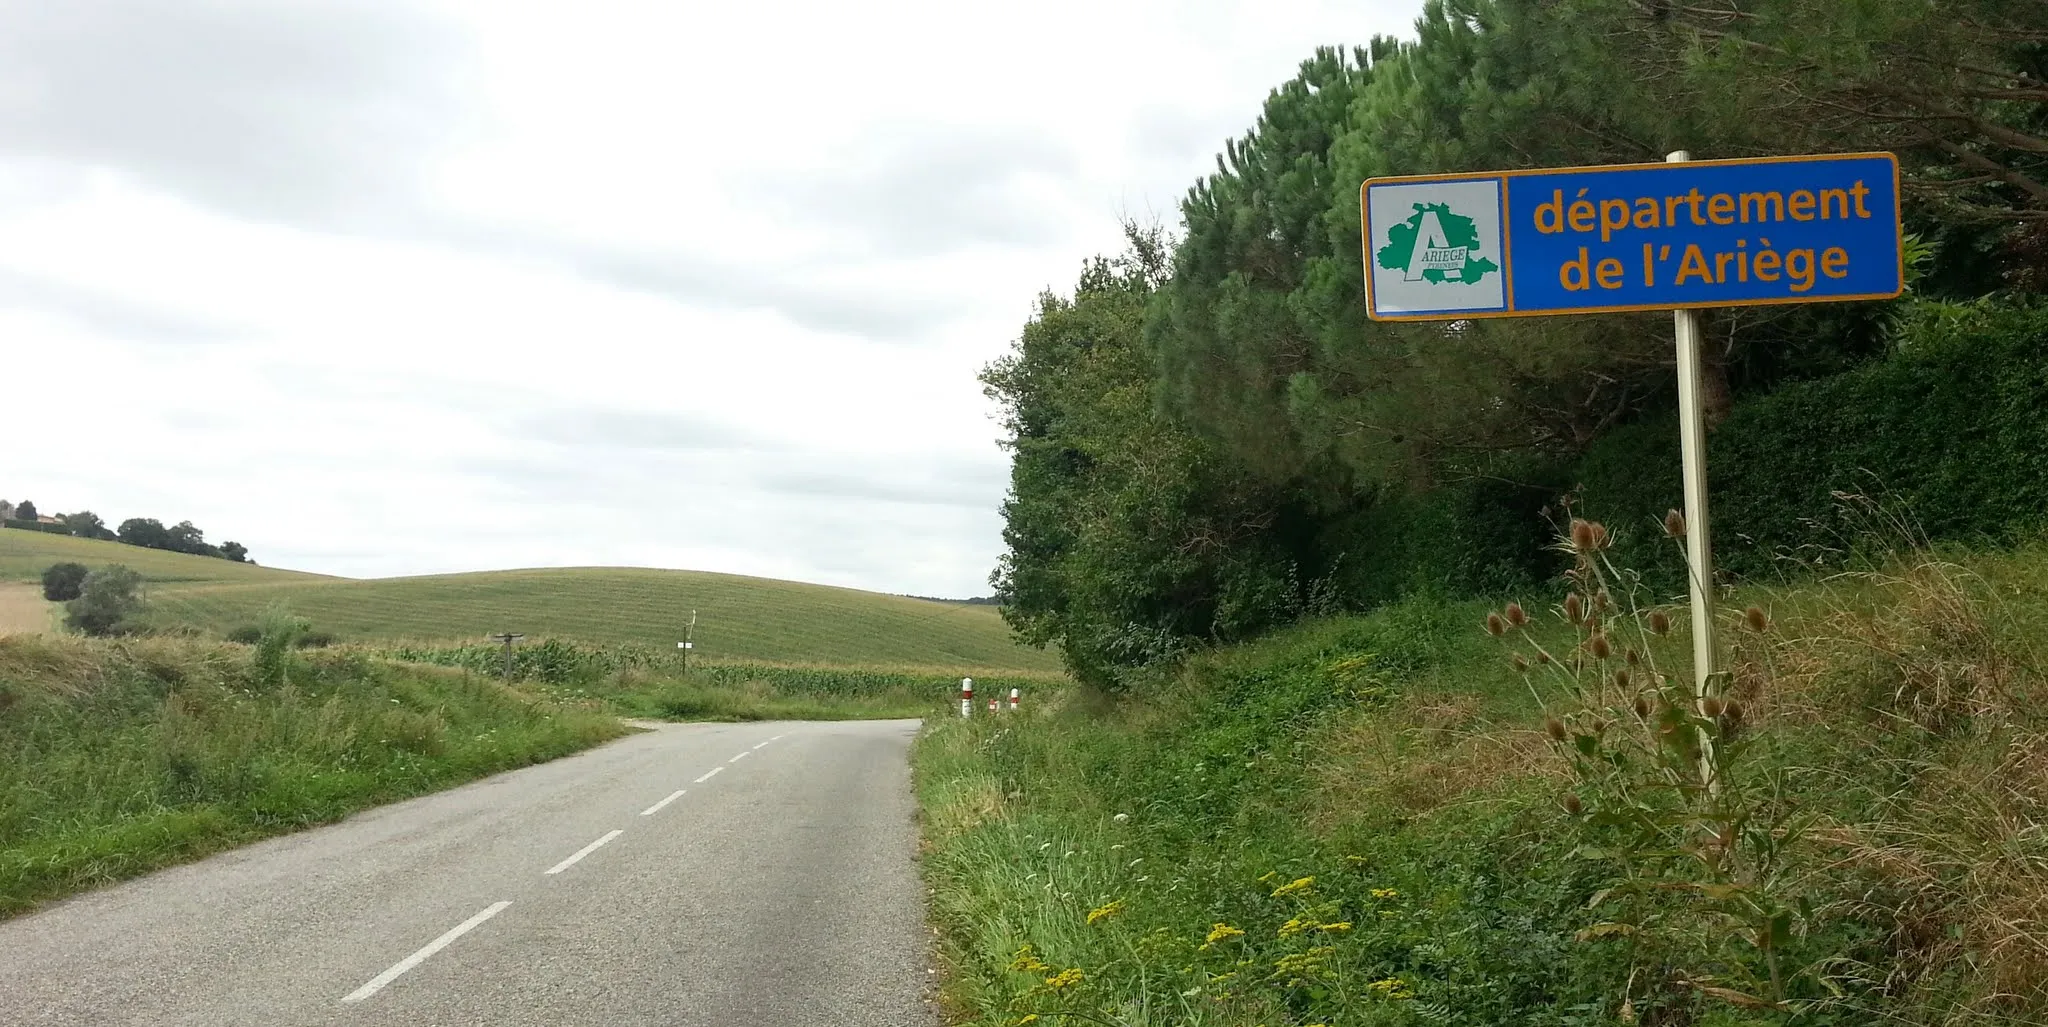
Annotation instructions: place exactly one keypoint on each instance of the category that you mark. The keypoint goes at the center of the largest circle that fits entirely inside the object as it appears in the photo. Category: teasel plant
(1667, 791)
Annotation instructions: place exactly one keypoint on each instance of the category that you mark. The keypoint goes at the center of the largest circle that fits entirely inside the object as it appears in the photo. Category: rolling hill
(739, 618)
(24, 554)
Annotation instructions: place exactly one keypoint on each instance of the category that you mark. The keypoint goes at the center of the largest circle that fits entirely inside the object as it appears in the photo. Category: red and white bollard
(991, 704)
(1013, 700)
(967, 697)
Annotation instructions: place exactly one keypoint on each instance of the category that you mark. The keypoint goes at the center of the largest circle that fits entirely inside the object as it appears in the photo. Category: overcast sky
(382, 288)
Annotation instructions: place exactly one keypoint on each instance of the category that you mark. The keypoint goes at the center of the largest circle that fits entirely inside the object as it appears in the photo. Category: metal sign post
(1699, 539)
(1681, 236)
(507, 638)
(687, 644)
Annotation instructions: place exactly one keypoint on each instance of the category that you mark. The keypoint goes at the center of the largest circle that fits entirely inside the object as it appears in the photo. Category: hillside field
(24, 554)
(739, 618)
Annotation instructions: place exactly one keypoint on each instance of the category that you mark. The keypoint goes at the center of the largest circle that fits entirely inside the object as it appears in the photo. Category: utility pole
(508, 638)
(687, 644)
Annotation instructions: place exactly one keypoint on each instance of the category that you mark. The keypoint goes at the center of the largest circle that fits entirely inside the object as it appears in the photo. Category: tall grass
(118, 757)
(1364, 821)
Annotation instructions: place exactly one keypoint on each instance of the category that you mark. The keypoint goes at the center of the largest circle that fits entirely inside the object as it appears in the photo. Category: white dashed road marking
(399, 968)
(656, 808)
(582, 852)
(707, 777)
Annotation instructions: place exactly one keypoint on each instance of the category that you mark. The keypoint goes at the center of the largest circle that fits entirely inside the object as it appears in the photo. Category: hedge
(54, 529)
(1950, 435)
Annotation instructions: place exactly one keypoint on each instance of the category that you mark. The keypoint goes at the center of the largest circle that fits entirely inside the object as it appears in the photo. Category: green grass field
(739, 618)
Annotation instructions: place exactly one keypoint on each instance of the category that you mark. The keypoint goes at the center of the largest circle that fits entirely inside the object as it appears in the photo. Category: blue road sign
(1633, 237)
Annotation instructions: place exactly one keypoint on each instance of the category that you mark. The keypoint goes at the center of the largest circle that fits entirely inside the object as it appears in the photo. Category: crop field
(23, 611)
(24, 554)
(738, 617)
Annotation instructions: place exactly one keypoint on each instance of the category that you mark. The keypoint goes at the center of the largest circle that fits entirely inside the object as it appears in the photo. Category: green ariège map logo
(1435, 246)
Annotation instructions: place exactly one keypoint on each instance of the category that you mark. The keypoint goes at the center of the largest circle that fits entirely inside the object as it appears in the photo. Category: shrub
(63, 581)
(106, 602)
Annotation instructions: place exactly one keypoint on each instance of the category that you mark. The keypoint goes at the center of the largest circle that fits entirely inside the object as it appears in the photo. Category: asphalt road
(778, 891)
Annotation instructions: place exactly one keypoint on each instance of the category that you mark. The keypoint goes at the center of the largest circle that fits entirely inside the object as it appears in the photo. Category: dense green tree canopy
(1211, 437)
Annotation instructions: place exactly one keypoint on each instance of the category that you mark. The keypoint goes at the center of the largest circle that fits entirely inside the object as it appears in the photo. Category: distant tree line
(147, 532)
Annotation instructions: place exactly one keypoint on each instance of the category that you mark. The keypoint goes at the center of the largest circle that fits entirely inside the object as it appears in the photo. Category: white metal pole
(967, 697)
(1692, 450)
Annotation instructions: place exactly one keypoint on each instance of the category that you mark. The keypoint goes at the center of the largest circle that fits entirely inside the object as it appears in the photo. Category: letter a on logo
(1433, 249)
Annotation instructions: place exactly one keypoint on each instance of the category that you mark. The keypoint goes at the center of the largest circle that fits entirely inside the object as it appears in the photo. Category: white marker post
(1699, 548)
(1013, 700)
(967, 697)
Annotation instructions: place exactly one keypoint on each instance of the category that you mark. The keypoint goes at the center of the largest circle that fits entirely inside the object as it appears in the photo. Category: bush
(106, 603)
(63, 581)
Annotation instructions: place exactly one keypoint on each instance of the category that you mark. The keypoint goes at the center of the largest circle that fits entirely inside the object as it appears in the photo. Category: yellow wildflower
(1299, 884)
(1385, 893)
(1295, 926)
(1027, 961)
(1064, 979)
(1392, 987)
(1222, 933)
(1106, 912)
(1026, 1018)
(1337, 928)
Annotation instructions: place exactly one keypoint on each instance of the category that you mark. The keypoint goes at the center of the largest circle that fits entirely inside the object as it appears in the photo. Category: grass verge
(1366, 821)
(120, 757)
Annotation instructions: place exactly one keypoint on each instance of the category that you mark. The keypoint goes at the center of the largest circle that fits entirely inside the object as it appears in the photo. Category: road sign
(1633, 237)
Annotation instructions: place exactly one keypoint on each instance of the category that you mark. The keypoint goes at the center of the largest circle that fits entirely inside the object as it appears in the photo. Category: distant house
(6, 510)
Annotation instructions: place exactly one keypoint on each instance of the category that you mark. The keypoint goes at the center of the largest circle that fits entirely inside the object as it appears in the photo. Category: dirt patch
(23, 610)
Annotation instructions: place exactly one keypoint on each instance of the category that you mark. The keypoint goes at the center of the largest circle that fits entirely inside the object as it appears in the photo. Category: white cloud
(375, 289)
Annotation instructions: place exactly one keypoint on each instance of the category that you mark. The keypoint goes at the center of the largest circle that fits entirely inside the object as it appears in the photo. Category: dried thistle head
(1600, 537)
(1554, 728)
(1582, 536)
(1635, 659)
(1573, 805)
(1574, 609)
(1674, 524)
(1516, 615)
(1711, 707)
(1602, 600)
(1621, 677)
(1495, 626)
(1643, 706)
(1659, 623)
(1732, 712)
(1599, 648)
(1521, 665)
(1756, 619)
